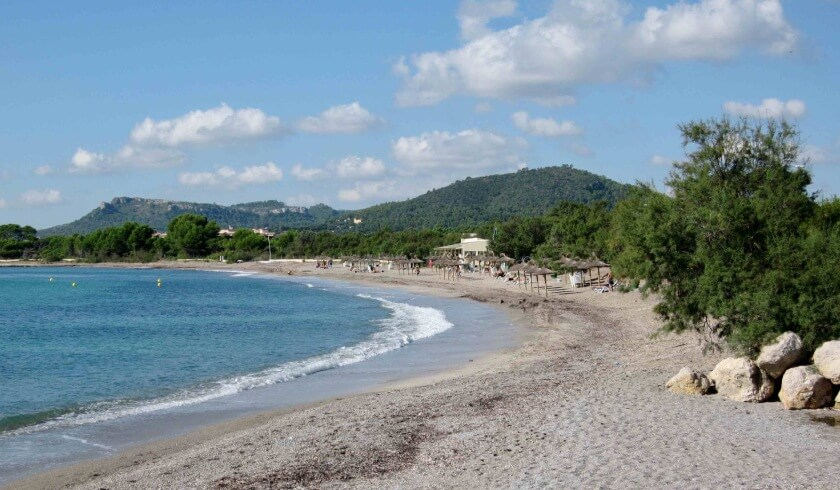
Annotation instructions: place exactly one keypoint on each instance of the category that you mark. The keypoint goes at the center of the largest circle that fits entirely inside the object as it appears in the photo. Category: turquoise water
(117, 344)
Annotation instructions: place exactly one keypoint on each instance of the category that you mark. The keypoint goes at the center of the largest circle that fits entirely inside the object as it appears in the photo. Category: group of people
(324, 264)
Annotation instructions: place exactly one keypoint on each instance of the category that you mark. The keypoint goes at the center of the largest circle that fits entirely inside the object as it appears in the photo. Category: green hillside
(158, 212)
(464, 203)
(494, 197)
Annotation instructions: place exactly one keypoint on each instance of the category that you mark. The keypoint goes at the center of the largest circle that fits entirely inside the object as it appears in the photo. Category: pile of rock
(742, 379)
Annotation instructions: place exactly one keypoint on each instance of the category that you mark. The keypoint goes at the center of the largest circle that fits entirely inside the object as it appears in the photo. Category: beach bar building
(469, 246)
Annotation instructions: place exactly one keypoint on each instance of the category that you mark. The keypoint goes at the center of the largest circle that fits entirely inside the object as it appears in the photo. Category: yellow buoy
(51, 279)
(73, 284)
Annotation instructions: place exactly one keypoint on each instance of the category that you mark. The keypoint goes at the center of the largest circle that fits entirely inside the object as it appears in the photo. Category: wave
(406, 323)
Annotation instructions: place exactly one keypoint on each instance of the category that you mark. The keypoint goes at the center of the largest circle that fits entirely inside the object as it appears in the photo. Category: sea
(95, 360)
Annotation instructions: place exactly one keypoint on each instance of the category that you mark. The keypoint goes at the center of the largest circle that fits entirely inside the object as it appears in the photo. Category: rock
(689, 382)
(804, 387)
(781, 354)
(837, 402)
(827, 360)
(740, 379)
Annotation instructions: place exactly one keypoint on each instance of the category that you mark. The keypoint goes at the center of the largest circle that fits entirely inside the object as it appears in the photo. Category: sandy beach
(581, 402)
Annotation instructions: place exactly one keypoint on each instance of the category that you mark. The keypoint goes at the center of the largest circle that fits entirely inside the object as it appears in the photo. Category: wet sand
(580, 403)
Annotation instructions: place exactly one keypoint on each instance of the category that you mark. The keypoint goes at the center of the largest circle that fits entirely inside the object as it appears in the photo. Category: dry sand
(580, 403)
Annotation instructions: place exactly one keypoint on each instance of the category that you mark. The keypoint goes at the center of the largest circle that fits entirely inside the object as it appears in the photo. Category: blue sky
(354, 103)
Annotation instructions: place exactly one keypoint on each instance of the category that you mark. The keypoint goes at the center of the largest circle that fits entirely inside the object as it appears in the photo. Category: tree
(576, 230)
(192, 235)
(726, 250)
(518, 237)
(15, 240)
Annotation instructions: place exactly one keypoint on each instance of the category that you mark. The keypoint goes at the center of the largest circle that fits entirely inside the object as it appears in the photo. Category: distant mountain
(464, 203)
(157, 213)
(494, 197)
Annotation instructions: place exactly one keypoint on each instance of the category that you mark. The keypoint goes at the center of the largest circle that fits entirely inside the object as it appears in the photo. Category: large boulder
(827, 360)
(804, 387)
(689, 382)
(781, 354)
(740, 379)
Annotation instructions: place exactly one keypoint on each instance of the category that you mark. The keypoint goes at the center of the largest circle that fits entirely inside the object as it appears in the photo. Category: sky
(356, 103)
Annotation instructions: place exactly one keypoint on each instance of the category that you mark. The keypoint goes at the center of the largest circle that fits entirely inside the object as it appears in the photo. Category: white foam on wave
(406, 323)
(86, 442)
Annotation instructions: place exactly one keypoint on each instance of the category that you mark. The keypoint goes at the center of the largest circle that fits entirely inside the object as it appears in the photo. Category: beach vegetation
(192, 235)
(16, 240)
(740, 249)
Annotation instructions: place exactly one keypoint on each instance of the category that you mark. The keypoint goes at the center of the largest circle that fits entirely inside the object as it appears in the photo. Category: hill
(463, 203)
(158, 212)
(471, 201)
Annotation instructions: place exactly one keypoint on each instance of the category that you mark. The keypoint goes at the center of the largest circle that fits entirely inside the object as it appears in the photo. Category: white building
(470, 245)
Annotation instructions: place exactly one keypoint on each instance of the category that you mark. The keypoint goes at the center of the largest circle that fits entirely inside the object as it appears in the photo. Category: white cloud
(349, 118)
(221, 124)
(303, 173)
(660, 160)
(156, 143)
(769, 108)
(43, 197)
(372, 190)
(591, 41)
(85, 161)
(359, 167)
(88, 161)
(260, 174)
(43, 170)
(547, 127)
(471, 149)
(229, 177)
(474, 15)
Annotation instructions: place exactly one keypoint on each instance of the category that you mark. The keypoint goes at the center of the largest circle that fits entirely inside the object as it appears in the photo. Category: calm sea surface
(93, 360)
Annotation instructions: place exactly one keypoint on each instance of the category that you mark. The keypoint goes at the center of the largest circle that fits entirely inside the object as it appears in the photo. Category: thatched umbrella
(516, 268)
(541, 271)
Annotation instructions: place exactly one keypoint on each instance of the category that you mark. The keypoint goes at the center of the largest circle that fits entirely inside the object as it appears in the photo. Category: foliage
(157, 213)
(15, 240)
(245, 245)
(727, 251)
(474, 201)
(467, 203)
(192, 235)
(519, 237)
(576, 230)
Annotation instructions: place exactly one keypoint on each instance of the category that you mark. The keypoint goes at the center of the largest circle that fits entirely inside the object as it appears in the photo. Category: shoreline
(169, 444)
(580, 401)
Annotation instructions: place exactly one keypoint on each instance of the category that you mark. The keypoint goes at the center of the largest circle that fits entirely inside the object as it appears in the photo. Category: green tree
(726, 250)
(518, 237)
(15, 240)
(192, 235)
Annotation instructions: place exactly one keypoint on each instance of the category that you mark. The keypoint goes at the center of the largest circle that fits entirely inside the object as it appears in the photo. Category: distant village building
(229, 231)
(159, 234)
(262, 232)
(356, 221)
(470, 245)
